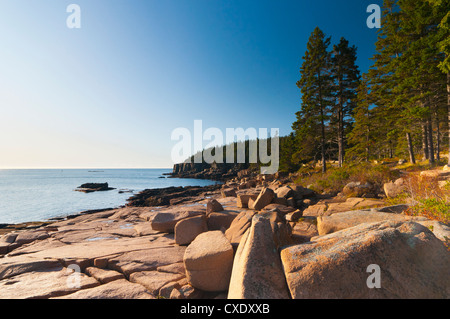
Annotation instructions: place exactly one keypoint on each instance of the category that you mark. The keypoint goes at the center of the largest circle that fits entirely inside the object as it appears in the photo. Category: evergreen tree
(315, 85)
(360, 137)
(404, 84)
(443, 6)
(402, 105)
(287, 153)
(420, 84)
(346, 78)
(382, 79)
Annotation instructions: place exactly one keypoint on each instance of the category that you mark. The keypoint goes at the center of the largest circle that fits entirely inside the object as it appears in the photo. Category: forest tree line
(399, 108)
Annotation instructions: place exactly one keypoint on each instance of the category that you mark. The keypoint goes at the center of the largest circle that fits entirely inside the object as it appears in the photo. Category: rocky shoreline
(253, 237)
(215, 171)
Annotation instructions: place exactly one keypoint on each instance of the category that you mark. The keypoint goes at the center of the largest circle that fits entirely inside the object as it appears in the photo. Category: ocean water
(41, 194)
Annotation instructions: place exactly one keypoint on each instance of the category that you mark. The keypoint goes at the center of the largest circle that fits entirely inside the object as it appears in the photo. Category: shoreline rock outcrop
(215, 171)
(93, 187)
(168, 196)
(252, 237)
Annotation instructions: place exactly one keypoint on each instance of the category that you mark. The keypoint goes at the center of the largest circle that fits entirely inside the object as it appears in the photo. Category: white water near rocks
(41, 194)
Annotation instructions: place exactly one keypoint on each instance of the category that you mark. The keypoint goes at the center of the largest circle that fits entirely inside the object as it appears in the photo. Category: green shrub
(432, 208)
(334, 180)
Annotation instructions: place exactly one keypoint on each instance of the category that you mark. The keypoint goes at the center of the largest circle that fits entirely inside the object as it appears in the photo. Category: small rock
(228, 192)
(284, 192)
(242, 200)
(213, 206)
(396, 209)
(264, 198)
(176, 294)
(208, 261)
(239, 226)
(315, 210)
(278, 208)
(294, 216)
(221, 220)
(101, 262)
(187, 229)
(356, 189)
(166, 221)
(189, 292)
(166, 290)
(393, 189)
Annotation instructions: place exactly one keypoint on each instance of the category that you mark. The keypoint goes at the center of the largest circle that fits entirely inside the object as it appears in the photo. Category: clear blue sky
(109, 95)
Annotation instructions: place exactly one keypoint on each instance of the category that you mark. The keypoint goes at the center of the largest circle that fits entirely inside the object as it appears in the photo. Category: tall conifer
(315, 85)
(346, 78)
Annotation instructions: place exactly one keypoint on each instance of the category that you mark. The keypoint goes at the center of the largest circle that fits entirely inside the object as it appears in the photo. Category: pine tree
(404, 83)
(346, 78)
(360, 137)
(420, 83)
(315, 85)
(287, 150)
(443, 7)
(382, 79)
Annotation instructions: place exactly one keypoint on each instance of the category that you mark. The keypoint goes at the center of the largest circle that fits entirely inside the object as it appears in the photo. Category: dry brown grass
(427, 198)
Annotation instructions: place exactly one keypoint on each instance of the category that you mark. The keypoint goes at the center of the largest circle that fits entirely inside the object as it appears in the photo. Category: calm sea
(41, 194)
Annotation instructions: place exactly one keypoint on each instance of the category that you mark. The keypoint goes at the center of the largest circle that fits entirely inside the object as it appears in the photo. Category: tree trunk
(391, 151)
(367, 146)
(341, 126)
(368, 136)
(425, 141)
(412, 159)
(340, 139)
(324, 163)
(322, 121)
(438, 142)
(430, 142)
